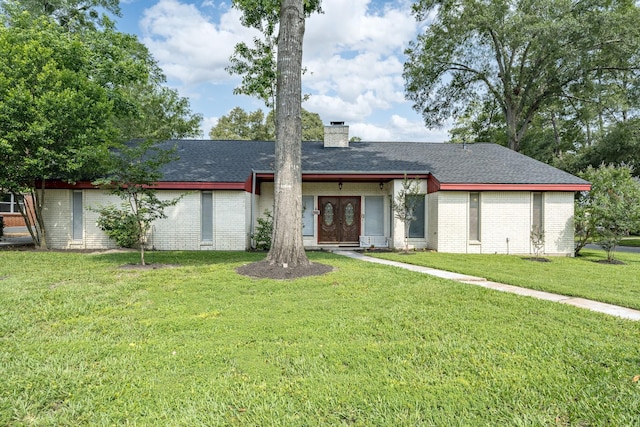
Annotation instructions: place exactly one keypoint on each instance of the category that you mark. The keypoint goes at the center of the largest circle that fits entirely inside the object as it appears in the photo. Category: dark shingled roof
(233, 161)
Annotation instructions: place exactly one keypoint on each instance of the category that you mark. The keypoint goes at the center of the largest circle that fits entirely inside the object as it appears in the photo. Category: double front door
(339, 220)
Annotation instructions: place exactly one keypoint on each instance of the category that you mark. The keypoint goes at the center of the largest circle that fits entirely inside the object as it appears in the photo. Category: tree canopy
(610, 211)
(67, 96)
(257, 64)
(54, 118)
(73, 15)
(521, 58)
(254, 126)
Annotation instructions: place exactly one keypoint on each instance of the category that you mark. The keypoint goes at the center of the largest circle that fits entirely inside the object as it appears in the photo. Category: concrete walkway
(613, 310)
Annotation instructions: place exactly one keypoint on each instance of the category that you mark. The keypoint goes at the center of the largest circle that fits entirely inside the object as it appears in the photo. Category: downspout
(253, 206)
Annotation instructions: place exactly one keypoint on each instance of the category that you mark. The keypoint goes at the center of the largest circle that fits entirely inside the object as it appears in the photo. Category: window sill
(475, 242)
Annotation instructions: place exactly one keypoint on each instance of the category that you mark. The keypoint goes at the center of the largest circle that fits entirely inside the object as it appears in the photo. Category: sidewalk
(613, 310)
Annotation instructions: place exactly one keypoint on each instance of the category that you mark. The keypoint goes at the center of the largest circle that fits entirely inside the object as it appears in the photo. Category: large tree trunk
(287, 248)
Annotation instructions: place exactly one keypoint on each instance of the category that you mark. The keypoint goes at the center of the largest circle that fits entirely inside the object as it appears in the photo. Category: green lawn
(633, 241)
(83, 342)
(582, 276)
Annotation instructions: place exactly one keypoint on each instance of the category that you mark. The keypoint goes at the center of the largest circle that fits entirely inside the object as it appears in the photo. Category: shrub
(120, 225)
(264, 231)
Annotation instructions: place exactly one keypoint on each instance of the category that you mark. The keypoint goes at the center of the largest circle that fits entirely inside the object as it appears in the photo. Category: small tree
(610, 210)
(264, 231)
(136, 169)
(405, 203)
(537, 239)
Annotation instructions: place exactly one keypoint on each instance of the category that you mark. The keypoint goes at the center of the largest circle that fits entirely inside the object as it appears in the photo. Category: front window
(374, 216)
(307, 215)
(416, 228)
(474, 217)
(77, 214)
(9, 203)
(206, 216)
(537, 212)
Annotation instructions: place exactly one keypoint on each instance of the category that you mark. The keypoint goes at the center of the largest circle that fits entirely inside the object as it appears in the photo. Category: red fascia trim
(200, 186)
(348, 177)
(513, 187)
(82, 185)
(166, 185)
(357, 177)
(433, 185)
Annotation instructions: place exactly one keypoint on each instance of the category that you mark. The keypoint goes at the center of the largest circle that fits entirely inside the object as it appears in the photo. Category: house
(477, 198)
(10, 211)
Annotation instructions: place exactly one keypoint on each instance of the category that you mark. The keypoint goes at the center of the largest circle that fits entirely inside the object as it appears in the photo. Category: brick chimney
(336, 135)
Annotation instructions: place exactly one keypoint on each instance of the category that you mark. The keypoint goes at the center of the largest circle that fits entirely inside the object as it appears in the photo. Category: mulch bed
(264, 270)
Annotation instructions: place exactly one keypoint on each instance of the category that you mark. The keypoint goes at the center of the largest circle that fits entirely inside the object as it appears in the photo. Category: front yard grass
(83, 342)
(582, 276)
(633, 241)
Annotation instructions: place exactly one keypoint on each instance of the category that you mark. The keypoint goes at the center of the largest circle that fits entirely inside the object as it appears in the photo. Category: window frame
(206, 217)
(12, 203)
(308, 204)
(367, 216)
(77, 215)
(474, 229)
(537, 218)
(422, 221)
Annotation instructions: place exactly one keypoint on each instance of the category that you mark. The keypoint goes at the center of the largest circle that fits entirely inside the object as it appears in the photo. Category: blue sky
(353, 53)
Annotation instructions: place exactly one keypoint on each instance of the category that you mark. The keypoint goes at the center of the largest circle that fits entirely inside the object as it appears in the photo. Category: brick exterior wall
(452, 221)
(504, 215)
(12, 219)
(505, 223)
(558, 223)
(179, 231)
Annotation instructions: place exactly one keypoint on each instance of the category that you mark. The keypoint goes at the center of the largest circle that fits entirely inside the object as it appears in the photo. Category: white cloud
(189, 47)
(354, 54)
(207, 124)
(398, 128)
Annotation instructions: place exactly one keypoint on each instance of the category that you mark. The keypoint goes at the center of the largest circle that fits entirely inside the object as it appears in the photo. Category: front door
(339, 220)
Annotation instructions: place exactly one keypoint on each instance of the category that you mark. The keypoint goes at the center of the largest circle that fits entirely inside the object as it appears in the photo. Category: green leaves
(50, 108)
(257, 64)
(610, 211)
(254, 126)
(523, 55)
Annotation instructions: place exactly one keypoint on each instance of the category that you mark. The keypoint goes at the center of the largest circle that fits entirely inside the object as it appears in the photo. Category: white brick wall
(179, 231)
(558, 223)
(505, 222)
(57, 218)
(453, 209)
(504, 215)
(229, 220)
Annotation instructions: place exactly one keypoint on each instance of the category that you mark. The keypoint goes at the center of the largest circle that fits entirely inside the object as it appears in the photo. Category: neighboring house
(9, 210)
(480, 198)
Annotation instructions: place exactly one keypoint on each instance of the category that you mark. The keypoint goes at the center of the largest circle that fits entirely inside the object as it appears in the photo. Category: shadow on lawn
(174, 258)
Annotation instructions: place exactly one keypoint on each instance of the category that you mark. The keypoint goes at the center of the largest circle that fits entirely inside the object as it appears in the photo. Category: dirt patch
(264, 270)
(140, 267)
